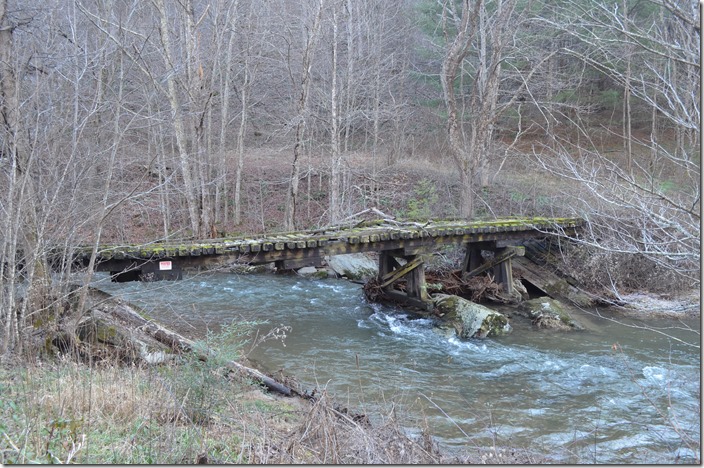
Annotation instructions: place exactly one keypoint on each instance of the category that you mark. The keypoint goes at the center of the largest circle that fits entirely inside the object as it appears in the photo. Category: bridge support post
(390, 271)
(415, 280)
(473, 256)
(503, 272)
(387, 263)
(500, 265)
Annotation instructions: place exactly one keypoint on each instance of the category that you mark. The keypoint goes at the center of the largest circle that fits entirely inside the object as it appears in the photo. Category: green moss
(448, 307)
(320, 274)
(494, 325)
(558, 288)
(106, 333)
(359, 234)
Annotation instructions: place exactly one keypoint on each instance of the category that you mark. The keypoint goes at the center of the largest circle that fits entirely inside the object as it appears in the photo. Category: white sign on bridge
(165, 265)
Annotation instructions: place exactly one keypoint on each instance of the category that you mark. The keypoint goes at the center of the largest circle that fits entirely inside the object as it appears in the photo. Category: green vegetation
(420, 207)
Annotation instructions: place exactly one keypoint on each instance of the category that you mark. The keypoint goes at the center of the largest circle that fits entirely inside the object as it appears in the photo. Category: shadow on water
(609, 394)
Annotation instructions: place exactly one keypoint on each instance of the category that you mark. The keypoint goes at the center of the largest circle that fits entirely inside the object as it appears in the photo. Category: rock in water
(470, 320)
(354, 266)
(549, 313)
(307, 271)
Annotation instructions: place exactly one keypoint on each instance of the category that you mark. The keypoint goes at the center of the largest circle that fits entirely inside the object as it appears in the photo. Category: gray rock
(353, 266)
(307, 271)
(470, 320)
(550, 314)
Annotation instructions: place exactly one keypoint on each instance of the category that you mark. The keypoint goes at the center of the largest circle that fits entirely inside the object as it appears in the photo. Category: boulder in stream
(550, 314)
(312, 272)
(469, 320)
(354, 266)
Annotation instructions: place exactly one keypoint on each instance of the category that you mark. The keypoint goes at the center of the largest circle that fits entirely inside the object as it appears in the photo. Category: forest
(139, 121)
(131, 121)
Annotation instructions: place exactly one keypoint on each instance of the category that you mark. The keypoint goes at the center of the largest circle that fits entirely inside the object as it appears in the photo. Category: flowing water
(613, 393)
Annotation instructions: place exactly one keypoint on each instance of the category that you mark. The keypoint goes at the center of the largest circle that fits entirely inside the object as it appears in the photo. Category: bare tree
(649, 207)
(335, 154)
(485, 28)
(252, 56)
(22, 218)
(61, 81)
(303, 83)
(194, 208)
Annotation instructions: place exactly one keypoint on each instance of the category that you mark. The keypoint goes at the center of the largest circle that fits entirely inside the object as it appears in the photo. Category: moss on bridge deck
(364, 236)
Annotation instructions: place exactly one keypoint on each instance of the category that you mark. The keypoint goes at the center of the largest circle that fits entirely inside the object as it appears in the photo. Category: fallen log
(176, 342)
(254, 374)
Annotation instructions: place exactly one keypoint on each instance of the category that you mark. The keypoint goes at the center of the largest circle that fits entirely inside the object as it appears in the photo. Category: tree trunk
(454, 56)
(336, 157)
(23, 194)
(240, 143)
(126, 314)
(627, 127)
(299, 142)
(194, 209)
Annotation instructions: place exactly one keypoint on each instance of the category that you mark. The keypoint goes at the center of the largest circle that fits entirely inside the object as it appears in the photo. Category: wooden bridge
(402, 248)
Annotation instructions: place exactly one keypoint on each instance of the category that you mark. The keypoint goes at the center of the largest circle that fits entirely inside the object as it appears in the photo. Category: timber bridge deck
(401, 247)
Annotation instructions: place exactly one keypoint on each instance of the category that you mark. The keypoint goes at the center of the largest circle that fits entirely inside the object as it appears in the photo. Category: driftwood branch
(383, 215)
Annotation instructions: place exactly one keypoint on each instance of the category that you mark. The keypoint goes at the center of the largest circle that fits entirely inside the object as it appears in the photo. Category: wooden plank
(503, 274)
(404, 299)
(387, 263)
(402, 271)
(507, 253)
(415, 286)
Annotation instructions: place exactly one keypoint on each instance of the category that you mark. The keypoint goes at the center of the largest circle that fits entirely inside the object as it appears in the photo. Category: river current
(615, 392)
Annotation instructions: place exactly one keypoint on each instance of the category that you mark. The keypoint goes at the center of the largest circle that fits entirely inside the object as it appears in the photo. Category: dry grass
(182, 413)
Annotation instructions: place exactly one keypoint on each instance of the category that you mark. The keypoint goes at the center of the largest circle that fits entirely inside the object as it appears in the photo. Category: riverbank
(103, 401)
(186, 410)
(181, 413)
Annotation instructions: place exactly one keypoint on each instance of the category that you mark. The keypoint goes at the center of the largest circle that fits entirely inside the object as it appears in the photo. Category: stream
(612, 393)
